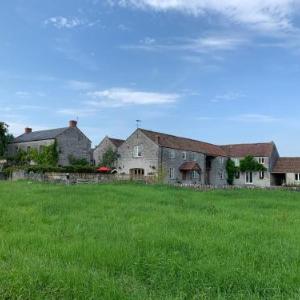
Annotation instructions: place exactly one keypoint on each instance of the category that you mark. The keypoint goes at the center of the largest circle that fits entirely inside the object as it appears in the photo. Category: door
(137, 174)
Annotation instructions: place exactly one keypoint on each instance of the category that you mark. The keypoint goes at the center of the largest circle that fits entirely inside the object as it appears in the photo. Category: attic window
(261, 160)
(137, 151)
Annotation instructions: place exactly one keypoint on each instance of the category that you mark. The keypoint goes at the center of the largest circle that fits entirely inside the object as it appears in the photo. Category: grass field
(147, 242)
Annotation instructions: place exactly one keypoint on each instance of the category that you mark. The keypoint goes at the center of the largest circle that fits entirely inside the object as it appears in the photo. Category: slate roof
(287, 165)
(116, 142)
(256, 150)
(190, 166)
(39, 135)
(185, 144)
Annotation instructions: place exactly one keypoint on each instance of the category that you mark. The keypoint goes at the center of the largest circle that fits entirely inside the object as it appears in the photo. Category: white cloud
(64, 22)
(78, 85)
(77, 112)
(205, 44)
(117, 97)
(228, 97)
(254, 118)
(261, 14)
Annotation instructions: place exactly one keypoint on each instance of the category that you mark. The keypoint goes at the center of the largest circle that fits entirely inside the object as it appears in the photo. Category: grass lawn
(147, 242)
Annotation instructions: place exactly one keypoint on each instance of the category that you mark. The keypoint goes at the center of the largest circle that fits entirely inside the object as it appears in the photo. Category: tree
(250, 164)
(5, 138)
(231, 171)
(109, 158)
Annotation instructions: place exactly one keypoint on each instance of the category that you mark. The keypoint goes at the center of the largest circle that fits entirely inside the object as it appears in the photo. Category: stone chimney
(28, 130)
(72, 124)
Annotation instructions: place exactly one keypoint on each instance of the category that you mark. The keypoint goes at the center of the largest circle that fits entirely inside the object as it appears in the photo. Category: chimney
(72, 124)
(28, 130)
(158, 139)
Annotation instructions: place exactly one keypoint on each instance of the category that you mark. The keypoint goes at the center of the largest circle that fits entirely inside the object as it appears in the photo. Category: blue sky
(219, 71)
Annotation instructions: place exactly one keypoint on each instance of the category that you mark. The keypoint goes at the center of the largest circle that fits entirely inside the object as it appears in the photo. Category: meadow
(131, 241)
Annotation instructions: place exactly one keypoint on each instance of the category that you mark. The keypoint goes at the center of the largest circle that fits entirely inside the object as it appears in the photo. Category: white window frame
(195, 175)
(297, 177)
(261, 160)
(172, 173)
(222, 160)
(262, 175)
(222, 175)
(184, 155)
(138, 151)
(248, 176)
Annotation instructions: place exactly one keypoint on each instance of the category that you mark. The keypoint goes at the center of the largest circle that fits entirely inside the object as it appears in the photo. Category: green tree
(78, 161)
(250, 164)
(109, 158)
(5, 138)
(231, 171)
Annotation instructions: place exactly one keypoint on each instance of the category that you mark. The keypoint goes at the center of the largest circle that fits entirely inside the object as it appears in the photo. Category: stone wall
(13, 148)
(73, 142)
(68, 178)
(149, 159)
(176, 161)
(101, 149)
(218, 174)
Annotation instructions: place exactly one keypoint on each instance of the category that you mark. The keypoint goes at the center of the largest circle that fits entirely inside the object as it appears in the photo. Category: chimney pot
(28, 130)
(72, 123)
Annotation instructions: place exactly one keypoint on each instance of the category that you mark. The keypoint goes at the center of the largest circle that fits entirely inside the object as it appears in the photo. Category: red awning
(104, 169)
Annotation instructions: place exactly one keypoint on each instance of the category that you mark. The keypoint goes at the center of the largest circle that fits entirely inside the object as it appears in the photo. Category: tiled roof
(39, 135)
(117, 142)
(242, 150)
(190, 166)
(287, 165)
(185, 144)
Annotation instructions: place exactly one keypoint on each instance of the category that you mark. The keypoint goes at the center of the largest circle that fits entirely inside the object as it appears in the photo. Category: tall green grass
(127, 241)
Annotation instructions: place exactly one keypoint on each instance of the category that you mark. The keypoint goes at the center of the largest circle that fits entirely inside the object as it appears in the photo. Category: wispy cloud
(267, 15)
(117, 97)
(208, 44)
(228, 97)
(64, 22)
(80, 112)
(78, 85)
(254, 118)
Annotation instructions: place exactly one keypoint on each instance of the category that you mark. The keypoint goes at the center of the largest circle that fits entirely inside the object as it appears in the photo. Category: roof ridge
(180, 137)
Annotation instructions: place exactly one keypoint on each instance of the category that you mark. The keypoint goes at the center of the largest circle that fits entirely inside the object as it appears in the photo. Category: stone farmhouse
(105, 144)
(265, 153)
(70, 142)
(188, 161)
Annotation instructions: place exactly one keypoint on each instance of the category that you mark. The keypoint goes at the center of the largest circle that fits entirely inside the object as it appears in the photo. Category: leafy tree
(231, 171)
(109, 158)
(250, 164)
(5, 138)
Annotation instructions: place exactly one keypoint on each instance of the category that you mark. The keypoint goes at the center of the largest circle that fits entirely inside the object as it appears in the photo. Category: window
(195, 175)
(222, 160)
(172, 154)
(137, 151)
(171, 173)
(237, 175)
(261, 160)
(194, 156)
(249, 178)
(222, 175)
(236, 162)
(261, 175)
(184, 155)
(297, 177)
